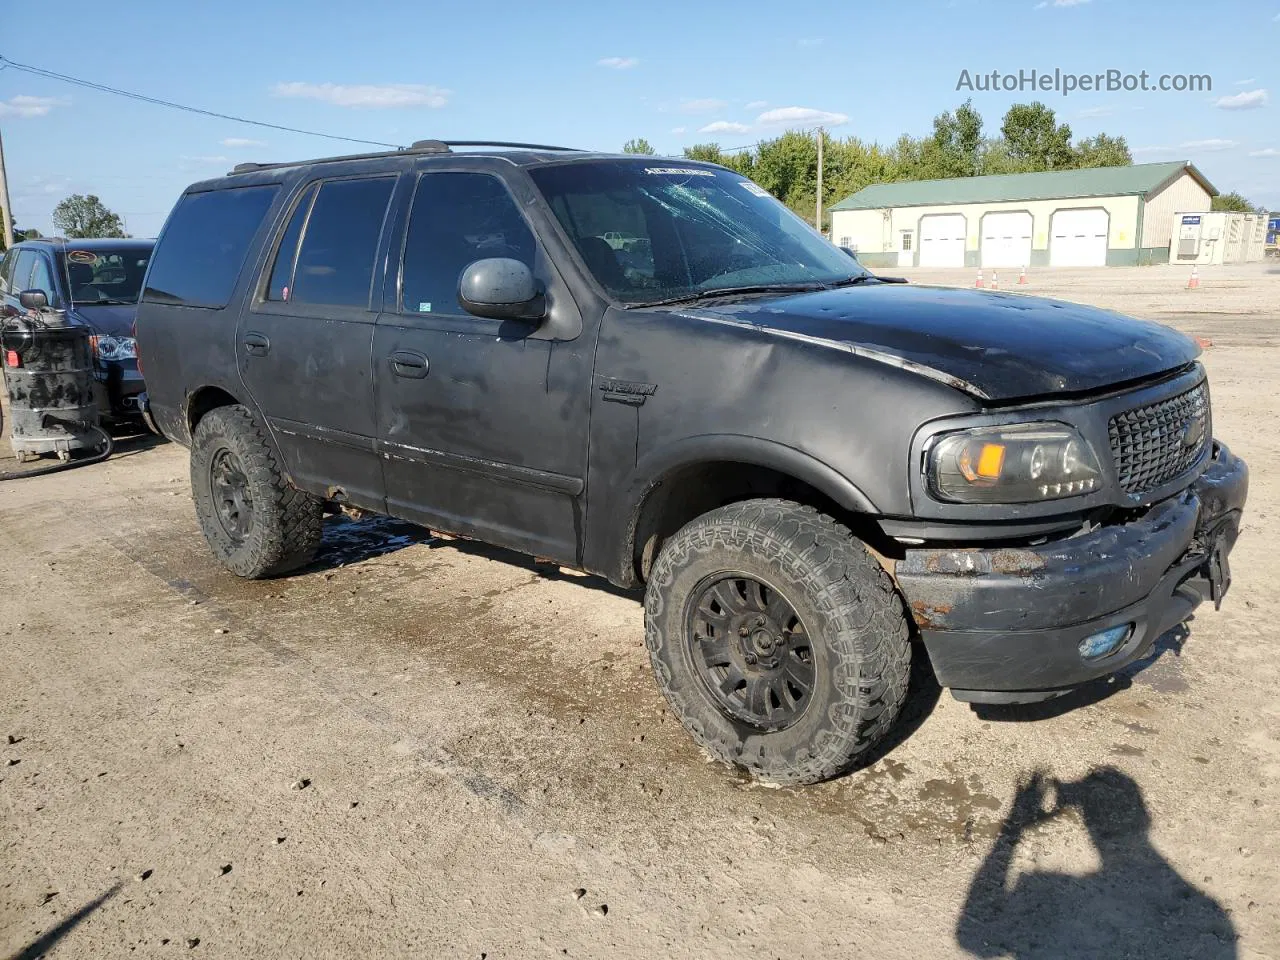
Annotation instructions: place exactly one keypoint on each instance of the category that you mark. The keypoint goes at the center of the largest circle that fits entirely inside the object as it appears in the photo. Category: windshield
(654, 230)
(106, 276)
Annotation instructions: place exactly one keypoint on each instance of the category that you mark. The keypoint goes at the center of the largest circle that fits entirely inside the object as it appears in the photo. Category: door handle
(406, 363)
(256, 345)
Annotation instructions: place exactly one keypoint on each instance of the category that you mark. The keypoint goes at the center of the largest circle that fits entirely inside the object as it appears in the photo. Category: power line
(5, 62)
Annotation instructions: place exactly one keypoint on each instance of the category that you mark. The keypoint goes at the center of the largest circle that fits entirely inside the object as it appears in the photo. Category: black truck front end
(1024, 618)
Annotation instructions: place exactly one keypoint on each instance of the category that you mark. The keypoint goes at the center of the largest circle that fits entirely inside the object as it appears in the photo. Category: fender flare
(726, 448)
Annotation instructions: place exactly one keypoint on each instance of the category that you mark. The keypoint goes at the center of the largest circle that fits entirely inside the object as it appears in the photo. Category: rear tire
(778, 640)
(257, 523)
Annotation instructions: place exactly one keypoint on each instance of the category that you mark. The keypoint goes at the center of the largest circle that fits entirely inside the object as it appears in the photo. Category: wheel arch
(698, 474)
(203, 400)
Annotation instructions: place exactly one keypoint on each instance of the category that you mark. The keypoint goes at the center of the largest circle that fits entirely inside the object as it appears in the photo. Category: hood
(112, 320)
(995, 346)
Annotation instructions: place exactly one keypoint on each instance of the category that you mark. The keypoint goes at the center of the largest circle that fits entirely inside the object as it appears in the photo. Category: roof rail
(498, 143)
(418, 147)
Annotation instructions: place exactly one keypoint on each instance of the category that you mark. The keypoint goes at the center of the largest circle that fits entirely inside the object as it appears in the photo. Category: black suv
(97, 282)
(805, 466)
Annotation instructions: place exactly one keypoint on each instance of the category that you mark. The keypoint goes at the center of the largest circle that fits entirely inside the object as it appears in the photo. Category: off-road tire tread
(286, 534)
(866, 631)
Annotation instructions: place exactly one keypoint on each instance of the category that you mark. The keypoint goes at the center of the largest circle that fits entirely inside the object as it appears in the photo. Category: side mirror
(501, 289)
(850, 252)
(36, 300)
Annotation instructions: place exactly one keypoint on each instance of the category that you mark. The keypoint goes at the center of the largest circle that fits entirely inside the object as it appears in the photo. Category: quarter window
(338, 244)
(204, 244)
(457, 219)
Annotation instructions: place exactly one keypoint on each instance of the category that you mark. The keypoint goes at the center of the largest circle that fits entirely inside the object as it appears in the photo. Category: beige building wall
(1184, 195)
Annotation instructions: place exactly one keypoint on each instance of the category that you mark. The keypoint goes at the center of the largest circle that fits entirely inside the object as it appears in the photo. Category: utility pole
(817, 220)
(7, 213)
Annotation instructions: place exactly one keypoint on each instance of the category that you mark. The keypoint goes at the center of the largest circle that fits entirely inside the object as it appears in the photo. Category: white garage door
(1006, 240)
(942, 240)
(1079, 238)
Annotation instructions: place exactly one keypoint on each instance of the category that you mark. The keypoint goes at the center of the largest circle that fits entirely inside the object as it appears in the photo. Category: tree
(956, 146)
(1103, 151)
(80, 216)
(709, 152)
(1035, 137)
(639, 145)
(1235, 203)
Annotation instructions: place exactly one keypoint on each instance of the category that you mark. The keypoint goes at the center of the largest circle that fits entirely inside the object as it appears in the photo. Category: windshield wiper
(866, 277)
(730, 292)
(104, 302)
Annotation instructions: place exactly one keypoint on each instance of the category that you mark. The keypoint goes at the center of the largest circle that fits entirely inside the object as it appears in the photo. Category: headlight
(1024, 463)
(114, 348)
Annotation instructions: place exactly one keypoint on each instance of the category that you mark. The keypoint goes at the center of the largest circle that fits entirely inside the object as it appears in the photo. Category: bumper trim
(1009, 621)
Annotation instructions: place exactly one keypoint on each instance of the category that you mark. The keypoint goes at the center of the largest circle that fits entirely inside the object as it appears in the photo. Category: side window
(21, 278)
(199, 256)
(340, 243)
(6, 268)
(287, 250)
(456, 219)
(42, 279)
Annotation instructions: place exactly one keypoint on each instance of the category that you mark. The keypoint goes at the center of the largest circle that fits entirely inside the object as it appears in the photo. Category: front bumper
(118, 391)
(1004, 625)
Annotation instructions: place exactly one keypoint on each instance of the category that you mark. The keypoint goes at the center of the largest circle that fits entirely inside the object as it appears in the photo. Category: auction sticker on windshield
(680, 171)
(82, 256)
(755, 188)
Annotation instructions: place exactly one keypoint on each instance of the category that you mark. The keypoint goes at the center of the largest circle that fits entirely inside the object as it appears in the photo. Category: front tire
(257, 524)
(777, 639)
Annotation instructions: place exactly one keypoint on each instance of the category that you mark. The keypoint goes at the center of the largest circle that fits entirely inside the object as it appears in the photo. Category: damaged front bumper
(1006, 625)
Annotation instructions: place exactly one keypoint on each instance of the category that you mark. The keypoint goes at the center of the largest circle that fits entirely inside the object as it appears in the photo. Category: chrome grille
(1154, 444)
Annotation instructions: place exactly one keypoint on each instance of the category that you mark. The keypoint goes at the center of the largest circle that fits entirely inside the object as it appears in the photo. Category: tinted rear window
(335, 261)
(203, 248)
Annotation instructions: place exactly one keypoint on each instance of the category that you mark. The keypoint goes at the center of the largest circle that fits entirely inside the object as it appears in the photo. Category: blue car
(97, 282)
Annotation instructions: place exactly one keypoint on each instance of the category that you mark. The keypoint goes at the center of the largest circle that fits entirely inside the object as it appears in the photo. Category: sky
(595, 74)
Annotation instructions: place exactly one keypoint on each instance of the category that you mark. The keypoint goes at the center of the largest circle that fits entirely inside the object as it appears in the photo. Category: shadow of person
(1136, 905)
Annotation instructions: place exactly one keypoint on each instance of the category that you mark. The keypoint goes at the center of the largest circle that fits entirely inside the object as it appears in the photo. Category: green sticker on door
(424, 307)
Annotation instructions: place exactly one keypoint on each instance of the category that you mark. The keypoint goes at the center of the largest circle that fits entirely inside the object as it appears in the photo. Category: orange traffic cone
(1022, 277)
(995, 281)
(979, 284)
(1194, 282)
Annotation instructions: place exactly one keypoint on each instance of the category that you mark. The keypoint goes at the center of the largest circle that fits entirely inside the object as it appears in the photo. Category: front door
(304, 343)
(482, 423)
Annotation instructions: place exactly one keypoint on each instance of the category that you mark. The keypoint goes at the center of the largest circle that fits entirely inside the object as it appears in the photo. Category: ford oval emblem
(1193, 432)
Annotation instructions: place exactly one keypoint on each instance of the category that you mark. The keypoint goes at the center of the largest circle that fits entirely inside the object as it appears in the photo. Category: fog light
(1105, 643)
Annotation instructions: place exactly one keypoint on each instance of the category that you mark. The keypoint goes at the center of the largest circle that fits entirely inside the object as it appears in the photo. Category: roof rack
(418, 147)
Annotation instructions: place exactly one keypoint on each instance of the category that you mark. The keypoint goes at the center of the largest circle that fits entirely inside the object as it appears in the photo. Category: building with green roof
(1110, 216)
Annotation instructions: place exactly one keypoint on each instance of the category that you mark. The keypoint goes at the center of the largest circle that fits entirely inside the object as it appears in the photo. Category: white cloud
(1245, 83)
(1209, 146)
(809, 42)
(677, 130)
(1104, 111)
(366, 95)
(27, 106)
(757, 104)
(1269, 153)
(1061, 3)
(706, 105)
(242, 142)
(1249, 100)
(618, 63)
(800, 116)
(724, 126)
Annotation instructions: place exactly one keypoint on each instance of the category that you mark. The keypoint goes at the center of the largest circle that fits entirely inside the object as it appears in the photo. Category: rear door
(482, 423)
(304, 343)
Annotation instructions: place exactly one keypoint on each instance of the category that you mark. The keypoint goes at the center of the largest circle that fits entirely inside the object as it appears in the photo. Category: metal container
(48, 373)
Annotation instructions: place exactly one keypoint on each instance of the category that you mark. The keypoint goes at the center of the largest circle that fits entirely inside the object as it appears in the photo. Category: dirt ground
(436, 749)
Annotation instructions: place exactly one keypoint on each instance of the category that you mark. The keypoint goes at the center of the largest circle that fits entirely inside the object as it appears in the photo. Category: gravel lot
(430, 748)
